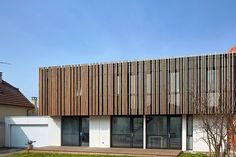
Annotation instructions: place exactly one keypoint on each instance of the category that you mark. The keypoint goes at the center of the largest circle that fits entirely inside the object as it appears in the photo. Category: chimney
(34, 101)
(0, 77)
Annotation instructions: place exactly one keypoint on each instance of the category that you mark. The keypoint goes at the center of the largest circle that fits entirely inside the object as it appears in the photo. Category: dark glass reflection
(189, 132)
(70, 131)
(127, 132)
(164, 132)
(75, 131)
(157, 132)
(175, 132)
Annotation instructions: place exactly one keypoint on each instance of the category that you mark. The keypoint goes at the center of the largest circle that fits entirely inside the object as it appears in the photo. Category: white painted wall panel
(184, 132)
(99, 131)
(46, 131)
(199, 144)
(54, 130)
(20, 134)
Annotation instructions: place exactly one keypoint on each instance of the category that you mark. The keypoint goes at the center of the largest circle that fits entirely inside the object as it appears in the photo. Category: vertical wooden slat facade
(104, 89)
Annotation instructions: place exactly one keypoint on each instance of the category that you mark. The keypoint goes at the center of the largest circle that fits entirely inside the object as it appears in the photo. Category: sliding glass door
(157, 134)
(127, 131)
(175, 132)
(164, 132)
(75, 131)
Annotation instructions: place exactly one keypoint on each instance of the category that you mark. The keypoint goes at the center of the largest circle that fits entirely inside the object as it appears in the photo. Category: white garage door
(20, 134)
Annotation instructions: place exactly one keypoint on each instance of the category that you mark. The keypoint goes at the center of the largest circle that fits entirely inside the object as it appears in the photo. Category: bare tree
(216, 117)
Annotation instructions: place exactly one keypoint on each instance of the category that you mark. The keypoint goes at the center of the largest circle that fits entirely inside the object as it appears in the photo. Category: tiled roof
(10, 95)
(233, 50)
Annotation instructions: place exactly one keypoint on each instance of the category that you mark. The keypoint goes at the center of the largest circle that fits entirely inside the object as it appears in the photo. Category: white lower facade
(46, 131)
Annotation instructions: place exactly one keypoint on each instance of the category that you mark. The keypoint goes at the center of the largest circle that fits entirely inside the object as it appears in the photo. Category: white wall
(54, 128)
(99, 131)
(53, 125)
(184, 132)
(199, 144)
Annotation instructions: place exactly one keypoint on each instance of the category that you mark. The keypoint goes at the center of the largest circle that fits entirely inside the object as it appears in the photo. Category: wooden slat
(191, 85)
(105, 89)
(185, 85)
(170, 84)
(124, 87)
(94, 90)
(147, 87)
(90, 89)
(157, 87)
(119, 89)
(178, 81)
(97, 90)
(163, 83)
(100, 90)
(153, 106)
(141, 86)
(134, 87)
(115, 89)
(40, 91)
(84, 86)
(110, 89)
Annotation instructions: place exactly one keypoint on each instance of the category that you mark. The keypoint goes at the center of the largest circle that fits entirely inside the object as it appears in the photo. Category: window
(189, 132)
(213, 99)
(126, 131)
(174, 88)
(132, 91)
(157, 132)
(212, 95)
(211, 77)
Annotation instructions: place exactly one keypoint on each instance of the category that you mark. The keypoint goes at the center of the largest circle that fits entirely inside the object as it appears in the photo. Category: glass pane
(132, 80)
(172, 99)
(177, 95)
(189, 132)
(177, 82)
(175, 132)
(137, 132)
(121, 140)
(84, 134)
(121, 132)
(157, 132)
(211, 74)
(120, 125)
(172, 82)
(133, 103)
(70, 131)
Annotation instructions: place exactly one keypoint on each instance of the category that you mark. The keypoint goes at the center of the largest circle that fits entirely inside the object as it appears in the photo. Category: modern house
(12, 103)
(137, 104)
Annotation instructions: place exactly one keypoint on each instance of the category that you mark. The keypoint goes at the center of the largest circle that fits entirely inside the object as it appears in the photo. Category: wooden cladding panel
(153, 92)
(40, 91)
(163, 86)
(110, 90)
(115, 89)
(141, 87)
(124, 87)
(157, 83)
(107, 89)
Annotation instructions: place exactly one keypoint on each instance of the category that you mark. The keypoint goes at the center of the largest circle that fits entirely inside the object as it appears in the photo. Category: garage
(20, 134)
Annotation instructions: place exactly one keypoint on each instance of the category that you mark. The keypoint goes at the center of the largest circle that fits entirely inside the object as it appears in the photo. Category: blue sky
(52, 32)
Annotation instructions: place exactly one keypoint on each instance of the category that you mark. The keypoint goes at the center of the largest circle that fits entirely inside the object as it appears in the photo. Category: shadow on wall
(21, 134)
(2, 134)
